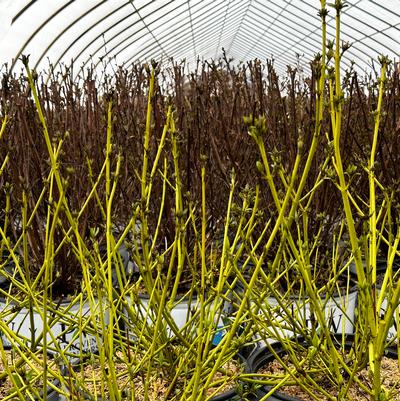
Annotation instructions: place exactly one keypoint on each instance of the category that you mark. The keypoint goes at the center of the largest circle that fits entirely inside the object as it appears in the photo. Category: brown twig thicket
(210, 103)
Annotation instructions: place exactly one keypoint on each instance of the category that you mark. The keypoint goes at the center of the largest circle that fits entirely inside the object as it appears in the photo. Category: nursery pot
(7, 270)
(339, 311)
(242, 395)
(70, 325)
(281, 316)
(234, 394)
(381, 266)
(73, 324)
(263, 355)
(51, 394)
(181, 312)
(290, 314)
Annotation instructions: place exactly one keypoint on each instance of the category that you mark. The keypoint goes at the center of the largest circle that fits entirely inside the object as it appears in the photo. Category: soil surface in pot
(390, 376)
(93, 380)
(24, 374)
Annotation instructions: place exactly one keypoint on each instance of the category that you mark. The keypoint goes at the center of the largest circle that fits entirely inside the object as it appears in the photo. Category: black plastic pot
(234, 395)
(259, 358)
(263, 355)
(51, 394)
(381, 266)
(7, 270)
(122, 266)
(229, 395)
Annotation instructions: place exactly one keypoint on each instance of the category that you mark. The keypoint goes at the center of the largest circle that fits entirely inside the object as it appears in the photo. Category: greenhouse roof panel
(122, 31)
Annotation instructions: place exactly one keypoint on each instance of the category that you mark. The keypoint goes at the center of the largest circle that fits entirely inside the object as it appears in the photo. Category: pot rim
(228, 395)
(262, 355)
(56, 382)
(352, 290)
(57, 301)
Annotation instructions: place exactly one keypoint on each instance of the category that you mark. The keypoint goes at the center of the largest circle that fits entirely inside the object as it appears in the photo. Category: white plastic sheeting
(119, 32)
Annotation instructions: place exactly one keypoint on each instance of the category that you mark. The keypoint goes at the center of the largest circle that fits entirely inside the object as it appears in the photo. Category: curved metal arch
(274, 21)
(171, 46)
(299, 34)
(289, 60)
(281, 65)
(65, 30)
(370, 58)
(144, 27)
(343, 24)
(346, 60)
(261, 11)
(127, 3)
(108, 29)
(310, 48)
(222, 29)
(243, 45)
(357, 51)
(375, 16)
(146, 24)
(229, 31)
(134, 33)
(191, 26)
(201, 39)
(201, 33)
(366, 54)
(278, 36)
(23, 9)
(37, 31)
(301, 40)
(382, 6)
(313, 43)
(267, 53)
(199, 18)
(359, 59)
(204, 37)
(270, 25)
(240, 24)
(368, 36)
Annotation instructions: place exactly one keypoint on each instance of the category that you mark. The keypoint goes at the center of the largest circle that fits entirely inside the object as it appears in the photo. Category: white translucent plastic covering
(119, 32)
